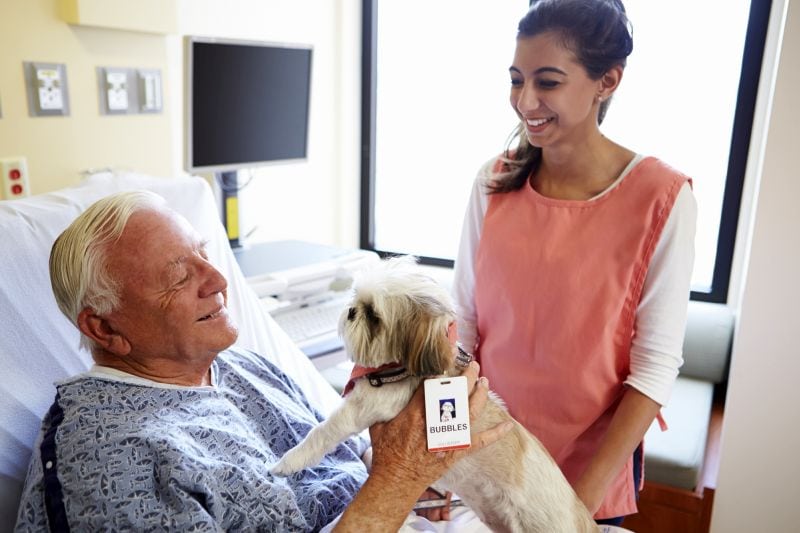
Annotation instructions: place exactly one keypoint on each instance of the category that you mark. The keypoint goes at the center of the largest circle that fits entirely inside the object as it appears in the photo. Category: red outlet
(14, 178)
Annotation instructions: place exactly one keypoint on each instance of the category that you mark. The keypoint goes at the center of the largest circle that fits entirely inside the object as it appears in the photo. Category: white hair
(78, 263)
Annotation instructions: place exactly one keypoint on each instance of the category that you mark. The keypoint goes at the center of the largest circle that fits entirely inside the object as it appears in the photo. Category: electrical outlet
(116, 90)
(47, 88)
(14, 177)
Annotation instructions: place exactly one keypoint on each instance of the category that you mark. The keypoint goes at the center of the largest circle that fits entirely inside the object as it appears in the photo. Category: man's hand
(400, 445)
(402, 466)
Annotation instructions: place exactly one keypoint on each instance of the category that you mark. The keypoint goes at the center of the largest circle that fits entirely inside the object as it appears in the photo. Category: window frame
(749, 80)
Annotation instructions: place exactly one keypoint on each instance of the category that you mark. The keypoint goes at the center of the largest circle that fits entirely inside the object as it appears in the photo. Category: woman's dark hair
(598, 33)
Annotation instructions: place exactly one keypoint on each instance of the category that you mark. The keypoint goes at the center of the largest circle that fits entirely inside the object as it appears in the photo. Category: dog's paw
(290, 463)
(279, 469)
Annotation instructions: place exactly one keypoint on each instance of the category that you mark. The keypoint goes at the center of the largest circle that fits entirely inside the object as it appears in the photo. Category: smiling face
(552, 93)
(172, 320)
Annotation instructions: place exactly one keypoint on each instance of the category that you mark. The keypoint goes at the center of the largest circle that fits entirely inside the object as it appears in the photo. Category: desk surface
(275, 256)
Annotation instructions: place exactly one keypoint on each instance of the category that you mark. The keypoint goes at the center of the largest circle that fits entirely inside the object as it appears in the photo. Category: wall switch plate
(14, 177)
(149, 90)
(46, 85)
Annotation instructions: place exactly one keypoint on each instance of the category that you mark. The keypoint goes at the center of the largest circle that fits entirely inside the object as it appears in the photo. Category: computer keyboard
(312, 321)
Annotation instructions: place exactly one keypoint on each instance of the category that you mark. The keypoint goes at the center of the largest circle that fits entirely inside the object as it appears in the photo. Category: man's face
(172, 307)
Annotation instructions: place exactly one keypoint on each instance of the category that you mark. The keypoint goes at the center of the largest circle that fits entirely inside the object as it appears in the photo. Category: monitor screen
(247, 103)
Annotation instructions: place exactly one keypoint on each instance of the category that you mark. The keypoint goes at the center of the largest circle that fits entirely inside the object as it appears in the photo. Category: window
(435, 93)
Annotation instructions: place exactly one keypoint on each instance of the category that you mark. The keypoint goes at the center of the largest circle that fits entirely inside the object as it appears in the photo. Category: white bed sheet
(39, 346)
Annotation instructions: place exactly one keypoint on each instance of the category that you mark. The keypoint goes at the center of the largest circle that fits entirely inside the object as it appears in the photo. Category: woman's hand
(434, 514)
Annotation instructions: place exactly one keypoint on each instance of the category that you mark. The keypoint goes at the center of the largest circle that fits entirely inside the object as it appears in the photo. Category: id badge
(447, 413)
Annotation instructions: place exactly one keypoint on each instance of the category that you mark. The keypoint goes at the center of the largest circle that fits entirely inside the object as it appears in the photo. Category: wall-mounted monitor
(247, 103)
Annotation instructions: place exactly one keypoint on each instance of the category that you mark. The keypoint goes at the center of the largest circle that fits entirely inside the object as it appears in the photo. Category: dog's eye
(351, 314)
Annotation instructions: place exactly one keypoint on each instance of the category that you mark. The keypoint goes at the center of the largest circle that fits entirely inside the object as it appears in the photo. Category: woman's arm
(402, 467)
(464, 270)
(628, 426)
(657, 346)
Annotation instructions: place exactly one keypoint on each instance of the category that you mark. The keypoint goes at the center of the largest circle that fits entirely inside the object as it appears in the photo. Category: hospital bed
(39, 346)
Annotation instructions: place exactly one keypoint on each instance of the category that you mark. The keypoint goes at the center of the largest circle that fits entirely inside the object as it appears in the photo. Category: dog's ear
(359, 329)
(429, 351)
(365, 312)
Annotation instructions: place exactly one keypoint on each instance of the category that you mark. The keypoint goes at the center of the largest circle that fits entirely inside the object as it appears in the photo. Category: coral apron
(558, 283)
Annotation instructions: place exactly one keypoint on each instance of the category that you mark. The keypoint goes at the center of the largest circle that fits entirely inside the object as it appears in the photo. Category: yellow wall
(59, 148)
(313, 200)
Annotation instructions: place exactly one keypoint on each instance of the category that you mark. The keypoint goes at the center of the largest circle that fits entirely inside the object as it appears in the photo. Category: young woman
(572, 278)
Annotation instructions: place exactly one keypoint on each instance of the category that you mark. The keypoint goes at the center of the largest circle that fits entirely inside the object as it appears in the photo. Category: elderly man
(174, 429)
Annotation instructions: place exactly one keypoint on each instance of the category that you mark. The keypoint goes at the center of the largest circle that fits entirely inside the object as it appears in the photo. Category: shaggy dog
(399, 328)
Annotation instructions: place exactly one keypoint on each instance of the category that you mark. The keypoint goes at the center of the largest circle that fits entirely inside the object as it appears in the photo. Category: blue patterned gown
(117, 455)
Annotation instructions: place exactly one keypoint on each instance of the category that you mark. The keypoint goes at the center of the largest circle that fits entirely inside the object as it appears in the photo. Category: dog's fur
(398, 314)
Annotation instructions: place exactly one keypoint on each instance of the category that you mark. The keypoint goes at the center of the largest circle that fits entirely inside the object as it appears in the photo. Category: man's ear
(102, 333)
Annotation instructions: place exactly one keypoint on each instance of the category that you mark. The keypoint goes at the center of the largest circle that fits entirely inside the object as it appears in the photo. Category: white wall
(759, 480)
(316, 200)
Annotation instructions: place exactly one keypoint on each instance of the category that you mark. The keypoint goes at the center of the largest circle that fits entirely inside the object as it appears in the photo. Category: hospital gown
(129, 455)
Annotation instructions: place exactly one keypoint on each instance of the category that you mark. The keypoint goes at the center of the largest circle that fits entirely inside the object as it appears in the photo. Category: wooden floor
(665, 509)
